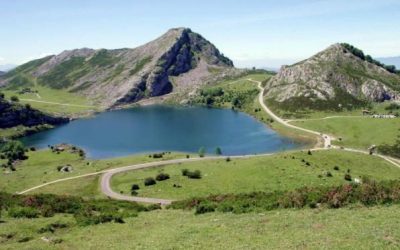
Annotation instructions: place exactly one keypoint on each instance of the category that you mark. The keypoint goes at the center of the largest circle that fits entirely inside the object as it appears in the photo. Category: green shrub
(51, 228)
(202, 152)
(135, 187)
(162, 177)
(14, 99)
(194, 175)
(23, 212)
(87, 218)
(25, 239)
(149, 181)
(347, 177)
(13, 150)
(204, 208)
(218, 151)
(158, 155)
(185, 172)
(154, 207)
(367, 193)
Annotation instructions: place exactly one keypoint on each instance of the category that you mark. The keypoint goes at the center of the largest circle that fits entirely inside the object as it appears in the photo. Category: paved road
(108, 174)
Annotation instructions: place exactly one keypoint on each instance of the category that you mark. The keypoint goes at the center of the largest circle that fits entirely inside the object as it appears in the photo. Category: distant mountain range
(391, 61)
(179, 60)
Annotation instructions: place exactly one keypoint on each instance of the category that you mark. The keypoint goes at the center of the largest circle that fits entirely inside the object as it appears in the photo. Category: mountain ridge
(179, 59)
(333, 76)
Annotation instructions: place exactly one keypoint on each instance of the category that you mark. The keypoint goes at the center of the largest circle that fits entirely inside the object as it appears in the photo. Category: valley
(247, 154)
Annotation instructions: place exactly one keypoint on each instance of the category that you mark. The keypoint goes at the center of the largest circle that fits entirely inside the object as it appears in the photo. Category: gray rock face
(329, 72)
(116, 77)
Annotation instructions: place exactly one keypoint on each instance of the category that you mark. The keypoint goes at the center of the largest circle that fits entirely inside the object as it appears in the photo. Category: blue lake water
(164, 128)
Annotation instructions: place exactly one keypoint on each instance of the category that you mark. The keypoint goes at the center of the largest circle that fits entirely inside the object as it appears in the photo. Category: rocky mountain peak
(339, 75)
(178, 60)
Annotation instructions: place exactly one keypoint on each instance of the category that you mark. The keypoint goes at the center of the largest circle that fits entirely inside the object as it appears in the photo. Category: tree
(218, 151)
(135, 187)
(202, 152)
(162, 177)
(13, 150)
(149, 181)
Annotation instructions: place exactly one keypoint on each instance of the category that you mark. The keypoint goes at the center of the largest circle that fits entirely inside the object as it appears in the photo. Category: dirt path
(326, 138)
(57, 103)
(328, 117)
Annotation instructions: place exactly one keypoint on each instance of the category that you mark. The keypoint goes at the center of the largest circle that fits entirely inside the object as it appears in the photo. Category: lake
(165, 128)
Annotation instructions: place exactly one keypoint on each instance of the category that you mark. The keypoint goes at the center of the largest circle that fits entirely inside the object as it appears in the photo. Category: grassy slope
(368, 228)
(42, 165)
(378, 108)
(277, 172)
(356, 132)
(54, 95)
(251, 104)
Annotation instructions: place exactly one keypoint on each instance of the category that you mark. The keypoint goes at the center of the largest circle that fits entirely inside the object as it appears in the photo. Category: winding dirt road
(108, 174)
(326, 138)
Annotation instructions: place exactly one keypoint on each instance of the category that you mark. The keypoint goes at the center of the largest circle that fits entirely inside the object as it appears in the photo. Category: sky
(260, 33)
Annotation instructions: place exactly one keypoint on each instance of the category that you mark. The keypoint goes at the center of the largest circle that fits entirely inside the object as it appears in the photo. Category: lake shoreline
(192, 127)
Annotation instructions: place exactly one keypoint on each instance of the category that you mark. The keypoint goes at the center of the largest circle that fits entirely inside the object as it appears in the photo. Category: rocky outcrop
(331, 74)
(116, 77)
(13, 114)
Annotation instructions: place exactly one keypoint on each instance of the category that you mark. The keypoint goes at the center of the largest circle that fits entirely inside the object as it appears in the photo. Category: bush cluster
(149, 181)
(162, 177)
(360, 54)
(367, 193)
(86, 212)
(12, 151)
(191, 174)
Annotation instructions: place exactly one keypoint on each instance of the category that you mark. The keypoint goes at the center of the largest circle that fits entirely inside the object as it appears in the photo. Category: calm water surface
(164, 128)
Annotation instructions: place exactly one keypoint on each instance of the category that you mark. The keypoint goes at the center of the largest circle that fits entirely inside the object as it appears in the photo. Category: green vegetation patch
(139, 65)
(391, 149)
(348, 228)
(18, 81)
(285, 171)
(358, 132)
(367, 193)
(360, 54)
(64, 74)
(85, 212)
(27, 67)
(103, 58)
(42, 166)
